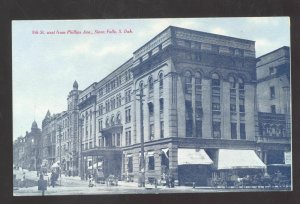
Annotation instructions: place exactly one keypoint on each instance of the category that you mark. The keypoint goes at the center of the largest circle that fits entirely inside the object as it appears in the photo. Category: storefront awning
(193, 156)
(239, 159)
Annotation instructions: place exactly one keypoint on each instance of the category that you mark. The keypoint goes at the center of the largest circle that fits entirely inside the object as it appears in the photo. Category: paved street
(75, 186)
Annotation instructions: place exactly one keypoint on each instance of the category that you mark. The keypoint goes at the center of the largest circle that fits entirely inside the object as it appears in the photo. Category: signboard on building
(287, 158)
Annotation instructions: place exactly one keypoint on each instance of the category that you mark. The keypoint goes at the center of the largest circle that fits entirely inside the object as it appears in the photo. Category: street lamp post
(142, 139)
(60, 165)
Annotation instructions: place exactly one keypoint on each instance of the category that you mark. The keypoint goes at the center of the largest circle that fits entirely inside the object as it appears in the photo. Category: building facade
(274, 108)
(187, 103)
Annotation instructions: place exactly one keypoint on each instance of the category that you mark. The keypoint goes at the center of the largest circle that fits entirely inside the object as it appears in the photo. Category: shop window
(151, 163)
(130, 165)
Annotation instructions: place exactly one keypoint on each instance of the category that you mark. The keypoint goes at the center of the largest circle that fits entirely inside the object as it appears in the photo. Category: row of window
(150, 163)
(116, 82)
(113, 103)
(214, 48)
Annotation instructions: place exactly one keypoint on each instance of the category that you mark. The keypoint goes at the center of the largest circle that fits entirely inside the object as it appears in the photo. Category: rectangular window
(100, 125)
(216, 106)
(151, 109)
(101, 92)
(272, 92)
(151, 163)
(130, 164)
(161, 129)
(151, 135)
(118, 139)
(188, 109)
(242, 131)
(233, 131)
(189, 128)
(90, 145)
(127, 116)
(272, 70)
(198, 128)
(128, 138)
(273, 109)
(242, 108)
(161, 105)
(233, 107)
(216, 129)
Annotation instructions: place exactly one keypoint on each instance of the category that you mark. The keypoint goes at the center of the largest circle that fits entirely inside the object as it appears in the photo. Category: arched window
(232, 82)
(215, 79)
(141, 88)
(161, 81)
(241, 83)
(150, 84)
(112, 121)
(188, 82)
(197, 78)
(118, 120)
(107, 123)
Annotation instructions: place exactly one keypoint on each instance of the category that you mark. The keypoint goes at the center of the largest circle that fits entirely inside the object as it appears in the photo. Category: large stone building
(189, 103)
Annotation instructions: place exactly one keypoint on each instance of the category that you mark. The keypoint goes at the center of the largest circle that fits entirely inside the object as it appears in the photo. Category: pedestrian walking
(52, 179)
(24, 180)
(42, 184)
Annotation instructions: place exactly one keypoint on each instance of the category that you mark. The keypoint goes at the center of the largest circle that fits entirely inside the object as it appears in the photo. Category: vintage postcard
(179, 105)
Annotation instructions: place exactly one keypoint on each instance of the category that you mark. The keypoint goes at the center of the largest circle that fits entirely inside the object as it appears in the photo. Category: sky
(44, 66)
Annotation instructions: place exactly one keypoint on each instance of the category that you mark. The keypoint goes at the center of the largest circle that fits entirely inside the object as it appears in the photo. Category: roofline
(114, 71)
(283, 47)
(218, 35)
(195, 31)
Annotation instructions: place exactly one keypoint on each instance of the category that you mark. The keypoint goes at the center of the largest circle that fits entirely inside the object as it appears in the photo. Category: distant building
(27, 151)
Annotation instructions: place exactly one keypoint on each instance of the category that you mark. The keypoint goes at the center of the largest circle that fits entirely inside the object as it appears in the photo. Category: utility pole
(142, 139)
(60, 165)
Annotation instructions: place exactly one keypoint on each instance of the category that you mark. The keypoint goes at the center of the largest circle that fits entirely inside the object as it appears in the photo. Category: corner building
(198, 107)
